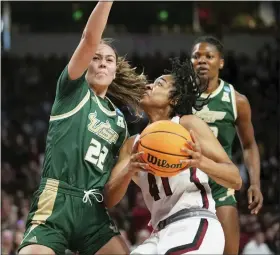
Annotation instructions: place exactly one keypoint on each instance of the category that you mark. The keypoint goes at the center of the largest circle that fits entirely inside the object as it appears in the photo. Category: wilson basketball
(162, 142)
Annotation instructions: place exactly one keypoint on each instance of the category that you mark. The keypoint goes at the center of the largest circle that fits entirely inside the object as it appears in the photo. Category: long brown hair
(128, 87)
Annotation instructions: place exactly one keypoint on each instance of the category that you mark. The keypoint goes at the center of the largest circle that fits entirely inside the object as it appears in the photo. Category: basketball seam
(168, 170)
(164, 132)
(188, 157)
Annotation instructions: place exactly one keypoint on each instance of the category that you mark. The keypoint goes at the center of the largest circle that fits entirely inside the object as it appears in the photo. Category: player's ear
(173, 102)
(222, 62)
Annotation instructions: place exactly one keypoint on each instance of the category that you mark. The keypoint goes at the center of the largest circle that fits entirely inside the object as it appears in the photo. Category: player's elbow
(110, 196)
(90, 38)
(236, 180)
(108, 204)
(108, 200)
(238, 183)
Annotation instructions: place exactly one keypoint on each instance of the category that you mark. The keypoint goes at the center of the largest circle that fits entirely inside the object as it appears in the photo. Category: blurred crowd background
(28, 84)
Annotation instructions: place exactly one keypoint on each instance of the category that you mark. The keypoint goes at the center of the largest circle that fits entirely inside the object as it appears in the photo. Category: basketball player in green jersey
(226, 112)
(85, 133)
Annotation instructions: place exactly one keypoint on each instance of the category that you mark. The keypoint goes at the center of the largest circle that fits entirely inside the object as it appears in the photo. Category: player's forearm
(116, 188)
(252, 162)
(226, 174)
(96, 23)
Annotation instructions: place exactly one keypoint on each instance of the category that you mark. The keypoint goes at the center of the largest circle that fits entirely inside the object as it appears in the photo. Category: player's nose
(202, 60)
(149, 86)
(102, 63)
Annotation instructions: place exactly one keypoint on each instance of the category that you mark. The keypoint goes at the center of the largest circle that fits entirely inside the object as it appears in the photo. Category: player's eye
(157, 83)
(110, 60)
(95, 58)
(210, 57)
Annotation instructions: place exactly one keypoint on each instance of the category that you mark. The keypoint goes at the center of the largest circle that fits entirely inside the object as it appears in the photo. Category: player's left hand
(255, 199)
(193, 149)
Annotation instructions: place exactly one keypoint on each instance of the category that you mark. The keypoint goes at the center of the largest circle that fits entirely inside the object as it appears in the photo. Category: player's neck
(157, 114)
(99, 91)
(213, 85)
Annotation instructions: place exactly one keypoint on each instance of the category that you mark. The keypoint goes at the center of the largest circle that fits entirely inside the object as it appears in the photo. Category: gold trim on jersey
(33, 226)
(126, 134)
(72, 112)
(46, 202)
(103, 109)
(234, 106)
(215, 92)
(230, 193)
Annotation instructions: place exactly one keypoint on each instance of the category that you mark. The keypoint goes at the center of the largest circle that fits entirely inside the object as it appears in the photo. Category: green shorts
(222, 196)
(61, 218)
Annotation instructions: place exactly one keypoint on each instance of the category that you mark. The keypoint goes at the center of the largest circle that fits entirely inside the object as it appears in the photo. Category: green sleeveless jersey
(85, 134)
(220, 114)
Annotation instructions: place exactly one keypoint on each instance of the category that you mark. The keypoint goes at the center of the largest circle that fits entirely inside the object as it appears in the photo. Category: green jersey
(220, 114)
(85, 134)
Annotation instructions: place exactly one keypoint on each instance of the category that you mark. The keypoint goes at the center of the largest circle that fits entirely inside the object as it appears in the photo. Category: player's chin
(145, 104)
(102, 82)
(144, 100)
(203, 77)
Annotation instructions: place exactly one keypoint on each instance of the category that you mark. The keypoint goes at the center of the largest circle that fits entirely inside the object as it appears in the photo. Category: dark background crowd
(28, 89)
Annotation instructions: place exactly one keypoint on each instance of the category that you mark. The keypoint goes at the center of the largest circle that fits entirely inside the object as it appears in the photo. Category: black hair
(211, 40)
(188, 88)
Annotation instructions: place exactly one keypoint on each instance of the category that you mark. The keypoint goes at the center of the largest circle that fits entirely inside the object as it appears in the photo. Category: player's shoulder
(189, 118)
(129, 143)
(242, 105)
(240, 98)
(191, 121)
(133, 138)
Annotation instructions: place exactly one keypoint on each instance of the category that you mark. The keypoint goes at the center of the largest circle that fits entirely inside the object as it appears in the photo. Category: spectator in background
(141, 236)
(140, 214)
(7, 242)
(257, 245)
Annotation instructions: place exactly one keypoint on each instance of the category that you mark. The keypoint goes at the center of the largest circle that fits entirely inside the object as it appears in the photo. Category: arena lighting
(6, 26)
(77, 15)
(163, 15)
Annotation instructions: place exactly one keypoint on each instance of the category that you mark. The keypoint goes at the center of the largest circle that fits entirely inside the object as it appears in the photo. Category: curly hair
(128, 87)
(187, 88)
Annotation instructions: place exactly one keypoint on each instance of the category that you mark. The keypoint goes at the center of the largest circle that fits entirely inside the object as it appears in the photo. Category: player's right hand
(193, 149)
(136, 163)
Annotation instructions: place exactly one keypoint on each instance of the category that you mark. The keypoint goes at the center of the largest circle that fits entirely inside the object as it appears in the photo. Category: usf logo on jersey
(102, 129)
(209, 116)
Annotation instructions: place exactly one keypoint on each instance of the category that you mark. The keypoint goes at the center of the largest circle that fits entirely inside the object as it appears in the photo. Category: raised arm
(214, 160)
(124, 171)
(91, 38)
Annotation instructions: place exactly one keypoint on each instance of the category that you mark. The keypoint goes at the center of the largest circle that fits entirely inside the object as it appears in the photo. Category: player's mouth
(201, 70)
(101, 73)
(146, 93)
